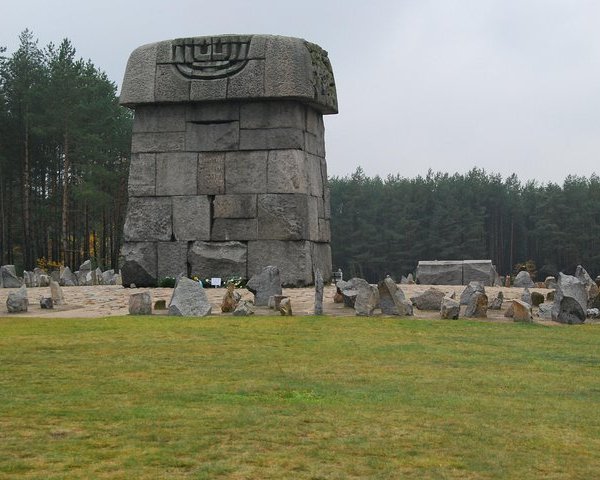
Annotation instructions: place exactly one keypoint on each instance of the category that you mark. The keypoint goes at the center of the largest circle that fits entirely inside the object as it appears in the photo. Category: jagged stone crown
(230, 67)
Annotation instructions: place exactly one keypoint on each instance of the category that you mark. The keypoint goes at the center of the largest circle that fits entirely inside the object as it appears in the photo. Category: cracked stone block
(147, 219)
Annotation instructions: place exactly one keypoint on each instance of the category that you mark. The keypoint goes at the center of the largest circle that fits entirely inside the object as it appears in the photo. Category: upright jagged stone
(392, 299)
(8, 277)
(570, 301)
(318, 293)
(189, 300)
(228, 150)
(264, 285)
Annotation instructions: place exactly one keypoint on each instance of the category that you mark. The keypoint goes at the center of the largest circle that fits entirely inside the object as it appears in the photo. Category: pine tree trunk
(2, 222)
(25, 192)
(65, 200)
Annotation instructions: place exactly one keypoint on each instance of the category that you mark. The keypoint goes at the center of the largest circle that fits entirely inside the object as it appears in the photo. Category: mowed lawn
(299, 398)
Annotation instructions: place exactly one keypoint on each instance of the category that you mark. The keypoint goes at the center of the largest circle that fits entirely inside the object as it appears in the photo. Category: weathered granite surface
(228, 146)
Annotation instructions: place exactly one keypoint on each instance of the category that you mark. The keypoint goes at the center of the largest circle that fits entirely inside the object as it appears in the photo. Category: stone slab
(171, 259)
(147, 219)
(142, 175)
(249, 82)
(271, 139)
(138, 83)
(218, 259)
(170, 86)
(211, 173)
(211, 137)
(191, 218)
(286, 217)
(140, 265)
(235, 206)
(159, 118)
(242, 229)
(287, 172)
(157, 142)
(272, 114)
(176, 173)
(246, 172)
(294, 260)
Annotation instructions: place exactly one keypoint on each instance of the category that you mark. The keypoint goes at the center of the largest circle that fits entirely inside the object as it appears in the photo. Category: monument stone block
(191, 218)
(176, 173)
(228, 171)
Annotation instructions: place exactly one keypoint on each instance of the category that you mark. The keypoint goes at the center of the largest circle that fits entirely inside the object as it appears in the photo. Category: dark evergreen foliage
(386, 226)
(64, 158)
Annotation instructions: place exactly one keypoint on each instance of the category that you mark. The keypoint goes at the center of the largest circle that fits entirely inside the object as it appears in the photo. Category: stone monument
(228, 171)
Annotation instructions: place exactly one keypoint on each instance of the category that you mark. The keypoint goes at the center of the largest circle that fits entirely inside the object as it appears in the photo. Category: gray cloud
(509, 86)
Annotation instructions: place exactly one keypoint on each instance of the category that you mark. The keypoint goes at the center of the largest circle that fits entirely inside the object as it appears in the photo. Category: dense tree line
(385, 226)
(64, 156)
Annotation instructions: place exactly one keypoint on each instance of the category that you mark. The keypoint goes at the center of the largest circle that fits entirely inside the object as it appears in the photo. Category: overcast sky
(504, 85)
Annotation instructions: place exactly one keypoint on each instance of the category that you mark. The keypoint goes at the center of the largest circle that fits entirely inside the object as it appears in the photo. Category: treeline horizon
(383, 226)
(64, 162)
(64, 157)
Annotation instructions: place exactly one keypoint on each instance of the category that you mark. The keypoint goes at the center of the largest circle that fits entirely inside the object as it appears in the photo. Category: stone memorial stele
(228, 171)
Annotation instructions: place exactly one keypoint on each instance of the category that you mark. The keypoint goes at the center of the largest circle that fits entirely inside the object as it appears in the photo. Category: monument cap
(230, 67)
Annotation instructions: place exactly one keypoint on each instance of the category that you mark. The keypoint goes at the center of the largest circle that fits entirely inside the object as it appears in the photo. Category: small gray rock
(522, 311)
(243, 309)
(264, 285)
(46, 303)
(472, 288)
(570, 301)
(8, 277)
(450, 308)
(545, 311)
(392, 299)
(285, 307)
(56, 293)
(189, 300)
(430, 299)
(526, 296)
(550, 282)
(68, 278)
(17, 302)
(496, 303)
(523, 279)
(477, 307)
(318, 292)
(140, 303)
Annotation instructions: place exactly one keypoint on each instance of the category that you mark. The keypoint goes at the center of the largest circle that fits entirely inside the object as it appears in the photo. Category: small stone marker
(496, 303)
(56, 293)
(189, 299)
(318, 293)
(17, 302)
(450, 308)
(477, 307)
(243, 309)
(570, 300)
(523, 279)
(46, 303)
(285, 307)
(8, 277)
(545, 311)
(140, 303)
(230, 299)
(522, 311)
(526, 296)
(392, 299)
(430, 299)
(264, 285)
(472, 288)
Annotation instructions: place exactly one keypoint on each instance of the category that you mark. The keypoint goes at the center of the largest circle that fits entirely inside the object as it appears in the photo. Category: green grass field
(301, 398)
